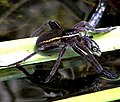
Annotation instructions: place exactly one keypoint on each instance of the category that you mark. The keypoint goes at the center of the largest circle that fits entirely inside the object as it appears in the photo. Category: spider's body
(54, 38)
(58, 37)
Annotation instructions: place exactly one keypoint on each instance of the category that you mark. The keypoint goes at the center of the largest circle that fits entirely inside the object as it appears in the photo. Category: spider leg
(85, 52)
(57, 63)
(86, 26)
(104, 30)
(52, 23)
(40, 29)
(83, 26)
(29, 56)
(17, 64)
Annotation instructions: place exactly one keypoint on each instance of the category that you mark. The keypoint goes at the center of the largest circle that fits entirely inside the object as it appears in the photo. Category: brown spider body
(53, 38)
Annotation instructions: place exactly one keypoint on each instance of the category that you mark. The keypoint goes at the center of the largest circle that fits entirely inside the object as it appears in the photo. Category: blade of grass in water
(100, 96)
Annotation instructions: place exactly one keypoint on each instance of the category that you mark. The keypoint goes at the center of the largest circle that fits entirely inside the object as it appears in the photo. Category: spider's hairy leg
(83, 26)
(57, 63)
(17, 64)
(40, 29)
(26, 58)
(104, 30)
(86, 26)
(52, 23)
(85, 52)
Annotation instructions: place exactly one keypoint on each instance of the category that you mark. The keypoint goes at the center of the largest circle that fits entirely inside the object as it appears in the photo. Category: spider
(59, 37)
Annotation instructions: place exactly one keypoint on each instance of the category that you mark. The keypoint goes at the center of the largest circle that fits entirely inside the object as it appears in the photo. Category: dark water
(74, 77)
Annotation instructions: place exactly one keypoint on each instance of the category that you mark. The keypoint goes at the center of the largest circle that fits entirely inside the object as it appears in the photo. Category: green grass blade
(100, 96)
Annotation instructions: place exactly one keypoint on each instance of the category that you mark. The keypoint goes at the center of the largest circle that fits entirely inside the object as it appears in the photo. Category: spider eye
(96, 51)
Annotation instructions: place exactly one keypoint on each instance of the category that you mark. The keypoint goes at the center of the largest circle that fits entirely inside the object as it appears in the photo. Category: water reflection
(71, 79)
